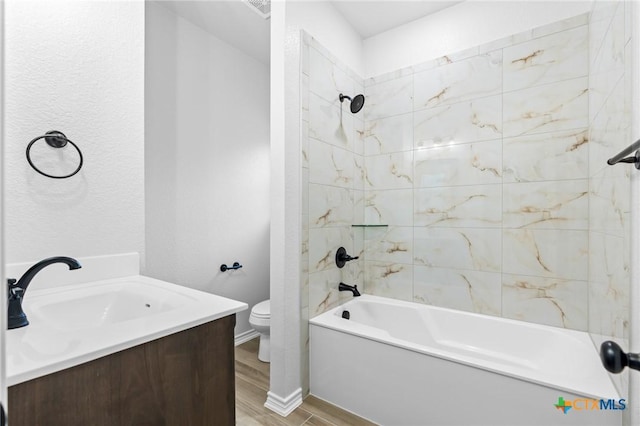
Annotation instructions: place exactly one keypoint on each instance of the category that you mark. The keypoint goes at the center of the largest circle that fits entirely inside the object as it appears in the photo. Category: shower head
(356, 103)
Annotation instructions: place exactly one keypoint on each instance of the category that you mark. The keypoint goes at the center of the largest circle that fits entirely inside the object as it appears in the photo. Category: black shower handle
(614, 359)
(342, 257)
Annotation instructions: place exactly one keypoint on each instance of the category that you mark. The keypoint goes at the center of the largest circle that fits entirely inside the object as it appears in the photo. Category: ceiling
(235, 23)
(231, 21)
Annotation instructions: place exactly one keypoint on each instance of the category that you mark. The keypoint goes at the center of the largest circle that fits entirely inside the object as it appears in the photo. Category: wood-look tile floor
(252, 384)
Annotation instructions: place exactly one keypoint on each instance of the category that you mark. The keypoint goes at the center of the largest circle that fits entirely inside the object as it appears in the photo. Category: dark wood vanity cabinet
(184, 379)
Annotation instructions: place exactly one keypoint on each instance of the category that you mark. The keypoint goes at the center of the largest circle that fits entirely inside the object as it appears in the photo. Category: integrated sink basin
(71, 325)
(90, 306)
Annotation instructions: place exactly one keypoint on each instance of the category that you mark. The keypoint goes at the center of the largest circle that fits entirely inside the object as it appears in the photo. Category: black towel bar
(621, 156)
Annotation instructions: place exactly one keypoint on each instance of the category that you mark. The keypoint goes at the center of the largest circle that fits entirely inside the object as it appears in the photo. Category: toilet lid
(262, 309)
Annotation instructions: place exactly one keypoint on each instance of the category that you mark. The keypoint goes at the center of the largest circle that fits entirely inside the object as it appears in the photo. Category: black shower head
(356, 103)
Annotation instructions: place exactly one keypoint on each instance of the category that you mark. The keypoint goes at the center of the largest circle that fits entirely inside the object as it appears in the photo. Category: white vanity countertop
(78, 323)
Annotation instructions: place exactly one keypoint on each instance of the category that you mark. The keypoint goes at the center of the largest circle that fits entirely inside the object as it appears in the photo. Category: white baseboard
(284, 406)
(246, 336)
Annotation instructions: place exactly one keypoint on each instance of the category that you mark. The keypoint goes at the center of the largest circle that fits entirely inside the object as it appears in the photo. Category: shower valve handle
(614, 359)
(342, 257)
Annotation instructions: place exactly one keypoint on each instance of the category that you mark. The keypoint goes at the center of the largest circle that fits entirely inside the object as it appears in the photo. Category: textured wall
(207, 162)
(77, 67)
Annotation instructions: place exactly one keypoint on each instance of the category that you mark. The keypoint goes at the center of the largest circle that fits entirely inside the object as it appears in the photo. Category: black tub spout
(352, 288)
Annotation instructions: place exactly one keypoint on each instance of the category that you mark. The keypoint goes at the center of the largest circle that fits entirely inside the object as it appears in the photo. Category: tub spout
(352, 288)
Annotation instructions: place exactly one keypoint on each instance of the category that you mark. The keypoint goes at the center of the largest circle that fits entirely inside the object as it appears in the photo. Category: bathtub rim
(606, 387)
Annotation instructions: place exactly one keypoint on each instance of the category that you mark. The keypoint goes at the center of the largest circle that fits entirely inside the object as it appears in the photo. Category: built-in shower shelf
(369, 226)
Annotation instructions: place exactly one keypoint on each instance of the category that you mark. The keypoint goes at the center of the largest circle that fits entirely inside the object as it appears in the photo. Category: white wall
(76, 67)
(285, 393)
(460, 27)
(328, 26)
(207, 161)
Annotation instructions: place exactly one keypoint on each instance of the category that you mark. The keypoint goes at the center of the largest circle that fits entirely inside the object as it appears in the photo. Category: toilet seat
(262, 310)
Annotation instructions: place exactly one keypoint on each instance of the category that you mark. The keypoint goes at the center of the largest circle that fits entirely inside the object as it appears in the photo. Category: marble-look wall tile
(610, 201)
(304, 144)
(330, 165)
(550, 301)
(547, 205)
(359, 172)
(546, 253)
(609, 64)
(392, 245)
(331, 124)
(304, 54)
(458, 248)
(359, 135)
(608, 131)
(459, 206)
(393, 280)
(604, 10)
(556, 57)
(501, 43)
(323, 291)
(610, 315)
(478, 162)
(387, 135)
(305, 193)
(304, 97)
(447, 59)
(546, 156)
(564, 25)
(548, 108)
(470, 121)
(389, 98)
(330, 206)
(472, 291)
(392, 207)
(609, 261)
(327, 80)
(389, 171)
(323, 244)
(392, 75)
(464, 164)
(472, 78)
(358, 206)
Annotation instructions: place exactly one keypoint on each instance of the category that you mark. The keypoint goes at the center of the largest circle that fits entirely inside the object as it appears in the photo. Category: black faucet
(16, 289)
(352, 288)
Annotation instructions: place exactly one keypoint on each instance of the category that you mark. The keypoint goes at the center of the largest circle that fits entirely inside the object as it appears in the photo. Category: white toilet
(260, 320)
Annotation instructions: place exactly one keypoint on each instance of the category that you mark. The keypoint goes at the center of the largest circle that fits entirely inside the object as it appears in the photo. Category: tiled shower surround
(488, 167)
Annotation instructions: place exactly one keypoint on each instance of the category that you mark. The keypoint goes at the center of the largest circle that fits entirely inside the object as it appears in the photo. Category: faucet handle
(16, 292)
(11, 281)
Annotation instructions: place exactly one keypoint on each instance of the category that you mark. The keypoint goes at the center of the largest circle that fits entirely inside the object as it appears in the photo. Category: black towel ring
(54, 139)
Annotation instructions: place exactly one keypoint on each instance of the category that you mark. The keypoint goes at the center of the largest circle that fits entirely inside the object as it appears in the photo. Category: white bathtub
(403, 363)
